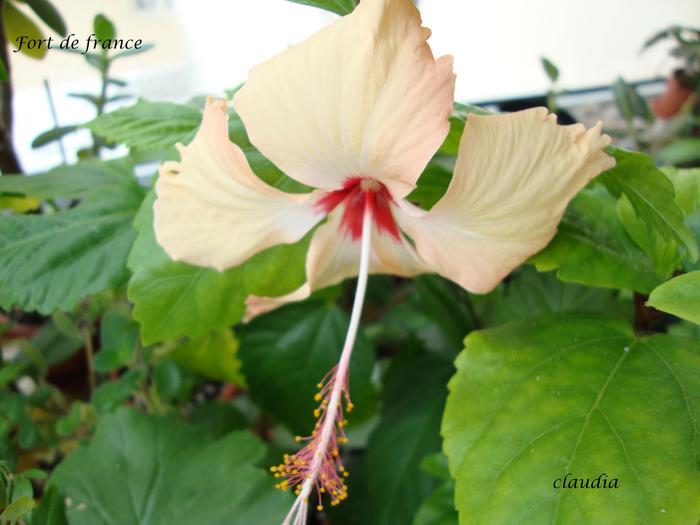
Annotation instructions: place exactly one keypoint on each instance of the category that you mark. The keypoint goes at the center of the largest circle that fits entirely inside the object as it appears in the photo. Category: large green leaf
(342, 7)
(413, 399)
(64, 182)
(173, 299)
(593, 248)
(537, 400)
(50, 262)
(680, 296)
(148, 125)
(287, 352)
(152, 126)
(152, 471)
(651, 194)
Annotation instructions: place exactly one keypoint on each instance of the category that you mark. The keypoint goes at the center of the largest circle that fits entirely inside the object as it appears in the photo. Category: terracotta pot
(671, 102)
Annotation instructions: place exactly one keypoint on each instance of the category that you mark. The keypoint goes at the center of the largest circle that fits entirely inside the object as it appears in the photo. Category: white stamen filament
(299, 511)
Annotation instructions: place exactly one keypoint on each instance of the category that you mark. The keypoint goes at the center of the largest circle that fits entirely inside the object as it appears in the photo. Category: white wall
(206, 46)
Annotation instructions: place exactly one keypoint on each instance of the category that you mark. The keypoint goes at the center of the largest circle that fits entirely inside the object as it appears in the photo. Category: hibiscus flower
(357, 111)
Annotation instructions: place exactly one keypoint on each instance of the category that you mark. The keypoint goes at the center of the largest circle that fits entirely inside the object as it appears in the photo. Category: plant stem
(9, 163)
(89, 354)
(54, 117)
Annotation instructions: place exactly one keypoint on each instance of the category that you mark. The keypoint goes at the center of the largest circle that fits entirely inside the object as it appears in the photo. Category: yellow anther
(317, 397)
(319, 385)
(297, 438)
(349, 407)
(319, 507)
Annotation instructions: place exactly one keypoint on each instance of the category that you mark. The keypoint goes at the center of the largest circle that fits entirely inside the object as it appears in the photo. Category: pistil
(318, 465)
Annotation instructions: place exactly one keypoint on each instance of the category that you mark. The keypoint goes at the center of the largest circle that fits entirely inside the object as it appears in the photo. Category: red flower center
(358, 193)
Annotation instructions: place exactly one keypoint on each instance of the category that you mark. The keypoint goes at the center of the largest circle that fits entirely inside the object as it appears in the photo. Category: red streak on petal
(355, 197)
(380, 202)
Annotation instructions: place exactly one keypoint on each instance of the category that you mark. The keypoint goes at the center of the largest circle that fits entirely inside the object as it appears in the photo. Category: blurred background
(207, 46)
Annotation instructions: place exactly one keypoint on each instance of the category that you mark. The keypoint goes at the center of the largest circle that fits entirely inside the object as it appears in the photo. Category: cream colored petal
(334, 257)
(363, 96)
(515, 175)
(211, 210)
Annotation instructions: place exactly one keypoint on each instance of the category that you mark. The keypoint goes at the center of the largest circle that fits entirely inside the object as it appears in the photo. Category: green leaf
(103, 27)
(9, 372)
(580, 395)
(219, 418)
(592, 248)
(147, 125)
(95, 100)
(67, 325)
(408, 430)
(50, 262)
(54, 345)
(154, 470)
(49, 15)
(447, 305)
(629, 102)
(663, 250)
(18, 508)
(686, 182)
(19, 204)
(681, 151)
(528, 293)
(169, 381)
(431, 185)
(551, 70)
(651, 194)
(18, 25)
(51, 510)
(69, 182)
(287, 352)
(132, 52)
(119, 337)
(460, 114)
(680, 296)
(438, 508)
(173, 299)
(110, 395)
(214, 356)
(342, 7)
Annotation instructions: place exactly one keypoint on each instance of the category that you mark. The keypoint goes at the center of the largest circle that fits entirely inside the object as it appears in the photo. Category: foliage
(142, 469)
(589, 377)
